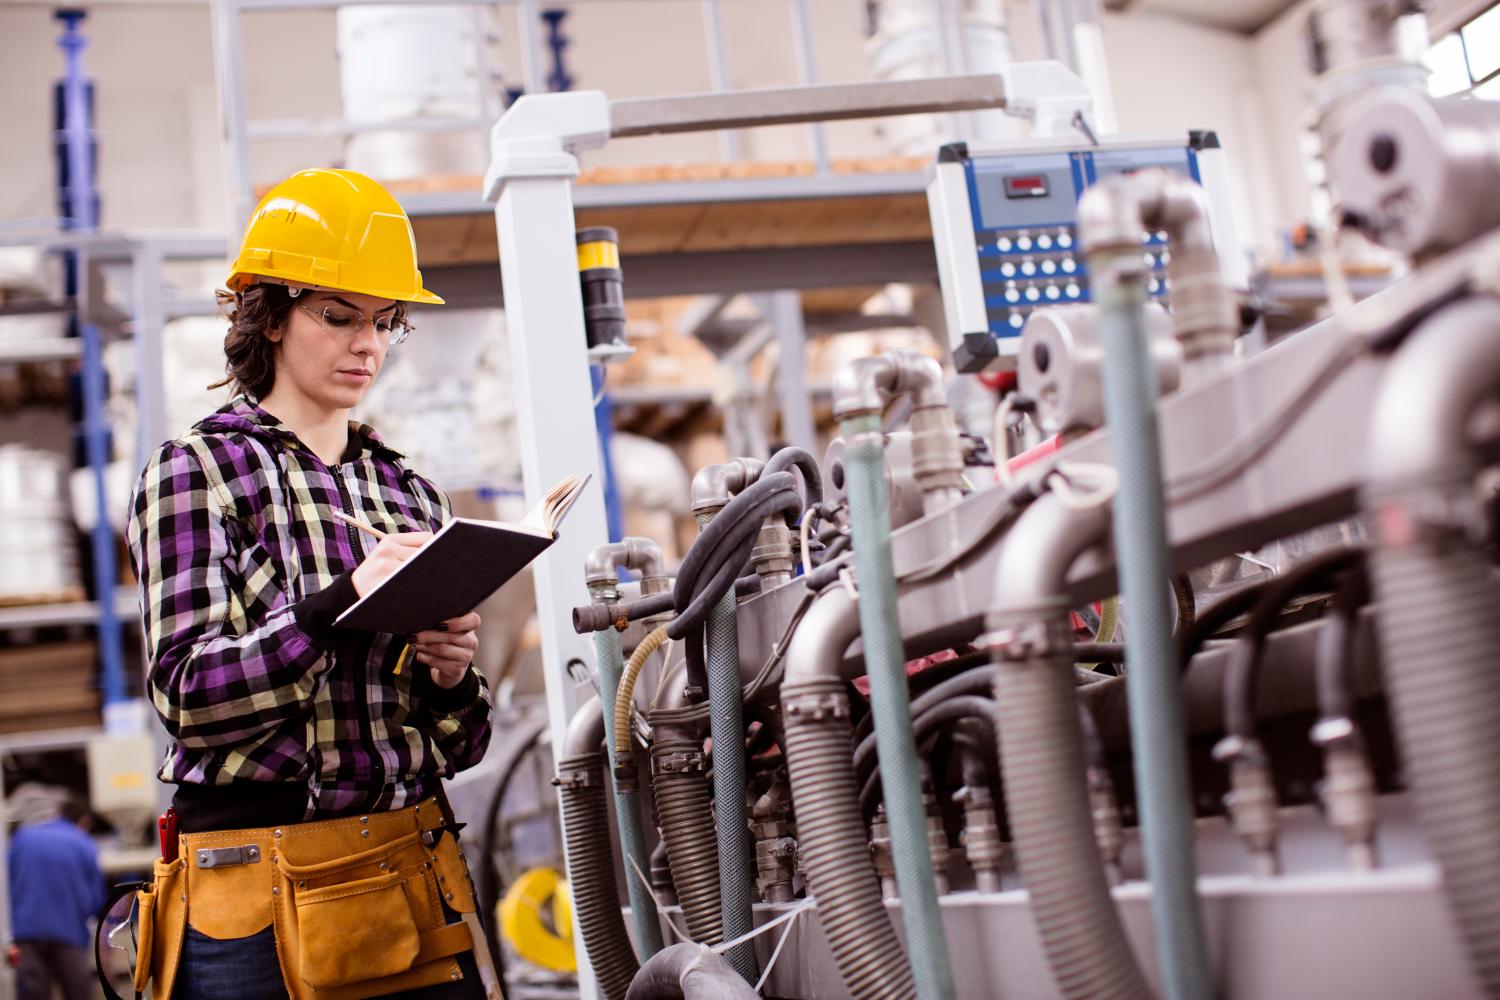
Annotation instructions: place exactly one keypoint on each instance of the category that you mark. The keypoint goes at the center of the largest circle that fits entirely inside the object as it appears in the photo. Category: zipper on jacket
(366, 724)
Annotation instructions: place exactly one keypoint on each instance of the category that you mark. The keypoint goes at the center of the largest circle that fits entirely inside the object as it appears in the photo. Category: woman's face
(332, 347)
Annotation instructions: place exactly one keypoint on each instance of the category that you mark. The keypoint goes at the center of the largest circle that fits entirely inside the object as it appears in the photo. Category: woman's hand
(448, 649)
(387, 557)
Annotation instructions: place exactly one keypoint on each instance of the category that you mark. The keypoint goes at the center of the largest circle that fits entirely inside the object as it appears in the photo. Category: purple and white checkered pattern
(231, 525)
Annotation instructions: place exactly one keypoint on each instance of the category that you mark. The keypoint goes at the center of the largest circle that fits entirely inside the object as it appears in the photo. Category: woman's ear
(275, 333)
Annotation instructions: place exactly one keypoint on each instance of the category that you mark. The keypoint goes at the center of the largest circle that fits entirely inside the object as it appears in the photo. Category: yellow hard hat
(331, 229)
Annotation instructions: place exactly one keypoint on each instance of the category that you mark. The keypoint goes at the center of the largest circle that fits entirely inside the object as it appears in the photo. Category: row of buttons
(1029, 268)
(1035, 293)
(1042, 241)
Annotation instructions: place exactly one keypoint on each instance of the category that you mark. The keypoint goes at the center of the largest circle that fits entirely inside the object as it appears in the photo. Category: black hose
(688, 972)
(1335, 658)
(964, 706)
(800, 459)
(1243, 673)
(970, 682)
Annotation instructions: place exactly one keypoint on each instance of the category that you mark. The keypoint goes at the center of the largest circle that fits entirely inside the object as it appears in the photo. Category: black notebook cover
(464, 563)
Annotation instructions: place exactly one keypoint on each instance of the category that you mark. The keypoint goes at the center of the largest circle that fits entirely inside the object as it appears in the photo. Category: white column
(531, 183)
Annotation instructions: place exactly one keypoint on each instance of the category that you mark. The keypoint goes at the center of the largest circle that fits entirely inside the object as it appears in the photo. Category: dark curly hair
(250, 355)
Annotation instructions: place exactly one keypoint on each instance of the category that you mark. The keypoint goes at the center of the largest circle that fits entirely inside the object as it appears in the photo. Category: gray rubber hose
(591, 861)
(885, 664)
(689, 972)
(732, 830)
(1158, 737)
(1042, 761)
(627, 804)
(1438, 593)
(835, 846)
(679, 782)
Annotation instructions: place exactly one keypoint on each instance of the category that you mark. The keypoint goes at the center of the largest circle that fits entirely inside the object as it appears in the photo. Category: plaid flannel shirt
(242, 571)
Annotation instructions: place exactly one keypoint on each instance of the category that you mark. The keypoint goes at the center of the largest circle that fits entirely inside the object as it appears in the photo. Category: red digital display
(1029, 186)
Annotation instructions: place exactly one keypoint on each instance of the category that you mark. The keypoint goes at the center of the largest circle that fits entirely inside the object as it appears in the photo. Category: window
(1467, 60)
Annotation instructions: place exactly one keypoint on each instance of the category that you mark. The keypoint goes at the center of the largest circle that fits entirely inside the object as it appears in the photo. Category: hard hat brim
(241, 280)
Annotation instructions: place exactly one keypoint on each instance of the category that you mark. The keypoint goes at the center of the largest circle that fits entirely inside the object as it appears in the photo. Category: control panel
(1004, 222)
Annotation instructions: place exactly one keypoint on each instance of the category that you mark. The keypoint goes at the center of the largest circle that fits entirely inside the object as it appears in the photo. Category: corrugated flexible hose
(1046, 799)
(834, 843)
(679, 781)
(591, 872)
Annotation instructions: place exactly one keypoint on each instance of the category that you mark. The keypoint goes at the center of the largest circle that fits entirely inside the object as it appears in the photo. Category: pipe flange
(680, 762)
(816, 707)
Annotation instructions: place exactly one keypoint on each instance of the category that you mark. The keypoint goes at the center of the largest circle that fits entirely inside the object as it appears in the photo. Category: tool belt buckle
(224, 857)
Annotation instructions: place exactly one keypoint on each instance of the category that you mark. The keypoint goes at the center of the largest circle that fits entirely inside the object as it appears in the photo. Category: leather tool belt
(357, 903)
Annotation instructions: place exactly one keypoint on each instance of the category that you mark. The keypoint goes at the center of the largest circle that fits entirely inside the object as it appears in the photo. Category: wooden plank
(51, 720)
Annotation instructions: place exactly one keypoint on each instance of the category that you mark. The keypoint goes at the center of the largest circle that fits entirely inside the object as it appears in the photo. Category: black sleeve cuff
(315, 613)
(446, 701)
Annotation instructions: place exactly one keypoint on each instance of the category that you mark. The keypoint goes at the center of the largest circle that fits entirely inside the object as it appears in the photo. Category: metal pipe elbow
(863, 385)
(1113, 213)
(600, 566)
(1428, 396)
(1181, 208)
(816, 649)
(715, 484)
(585, 730)
(1038, 552)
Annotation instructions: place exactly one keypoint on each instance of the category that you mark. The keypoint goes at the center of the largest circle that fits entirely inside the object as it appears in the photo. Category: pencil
(355, 522)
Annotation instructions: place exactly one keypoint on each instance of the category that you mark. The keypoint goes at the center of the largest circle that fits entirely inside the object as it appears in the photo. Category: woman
(317, 855)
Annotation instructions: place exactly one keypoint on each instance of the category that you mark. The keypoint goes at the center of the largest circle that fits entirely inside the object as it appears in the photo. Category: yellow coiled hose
(625, 697)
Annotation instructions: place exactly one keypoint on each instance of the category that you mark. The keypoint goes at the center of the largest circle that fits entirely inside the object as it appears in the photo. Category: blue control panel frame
(1022, 206)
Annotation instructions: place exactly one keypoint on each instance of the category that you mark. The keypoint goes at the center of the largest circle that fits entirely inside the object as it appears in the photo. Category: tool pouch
(358, 905)
(160, 922)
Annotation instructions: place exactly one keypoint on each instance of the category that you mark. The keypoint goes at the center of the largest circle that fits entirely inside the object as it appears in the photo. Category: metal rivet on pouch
(364, 833)
(276, 833)
(448, 896)
(275, 890)
(457, 974)
(364, 820)
(384, 866)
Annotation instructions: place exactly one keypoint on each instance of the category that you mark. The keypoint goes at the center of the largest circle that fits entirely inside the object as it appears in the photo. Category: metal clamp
(577, 779)
(682, 762)
(224, 857)
(815, 707)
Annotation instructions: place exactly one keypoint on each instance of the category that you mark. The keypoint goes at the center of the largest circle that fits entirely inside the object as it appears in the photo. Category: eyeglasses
(342, 319)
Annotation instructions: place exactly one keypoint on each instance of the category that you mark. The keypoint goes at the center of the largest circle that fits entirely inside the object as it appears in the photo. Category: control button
(1023, 242)
(1049, 267)
(1154, 285)
(1165, 258)
(1003, 244)
(1069, 265)
(1145, 238)
(1054, 293)
(1072, 291)
(1028, 268)
(1044, 242)
(1148, 259)
(1008, 269)
(1013, 295)
(1166, 284)
(1016, 320)
(1033, 293)
(1161, 236)
(1065, 240)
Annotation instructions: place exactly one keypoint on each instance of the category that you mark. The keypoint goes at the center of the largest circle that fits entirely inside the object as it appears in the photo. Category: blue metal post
(80, 210)
(604, 424)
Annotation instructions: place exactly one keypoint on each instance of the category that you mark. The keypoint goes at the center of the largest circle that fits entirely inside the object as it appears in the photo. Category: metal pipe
(641, 554)
(1155, 692)
(885, 661)
(840, 873)
(688, 972)
(1042, 759)
(1435, 582)
(591, 866)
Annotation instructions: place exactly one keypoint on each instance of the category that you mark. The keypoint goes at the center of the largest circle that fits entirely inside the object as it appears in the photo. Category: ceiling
(1245, 16)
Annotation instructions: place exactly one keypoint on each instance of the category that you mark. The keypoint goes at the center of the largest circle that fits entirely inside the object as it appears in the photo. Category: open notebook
(465, 562)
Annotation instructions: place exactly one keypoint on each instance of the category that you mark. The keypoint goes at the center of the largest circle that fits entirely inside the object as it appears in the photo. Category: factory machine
(913, 718)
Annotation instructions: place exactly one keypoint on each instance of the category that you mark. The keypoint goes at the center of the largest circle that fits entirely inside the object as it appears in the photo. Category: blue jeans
(248, 969)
